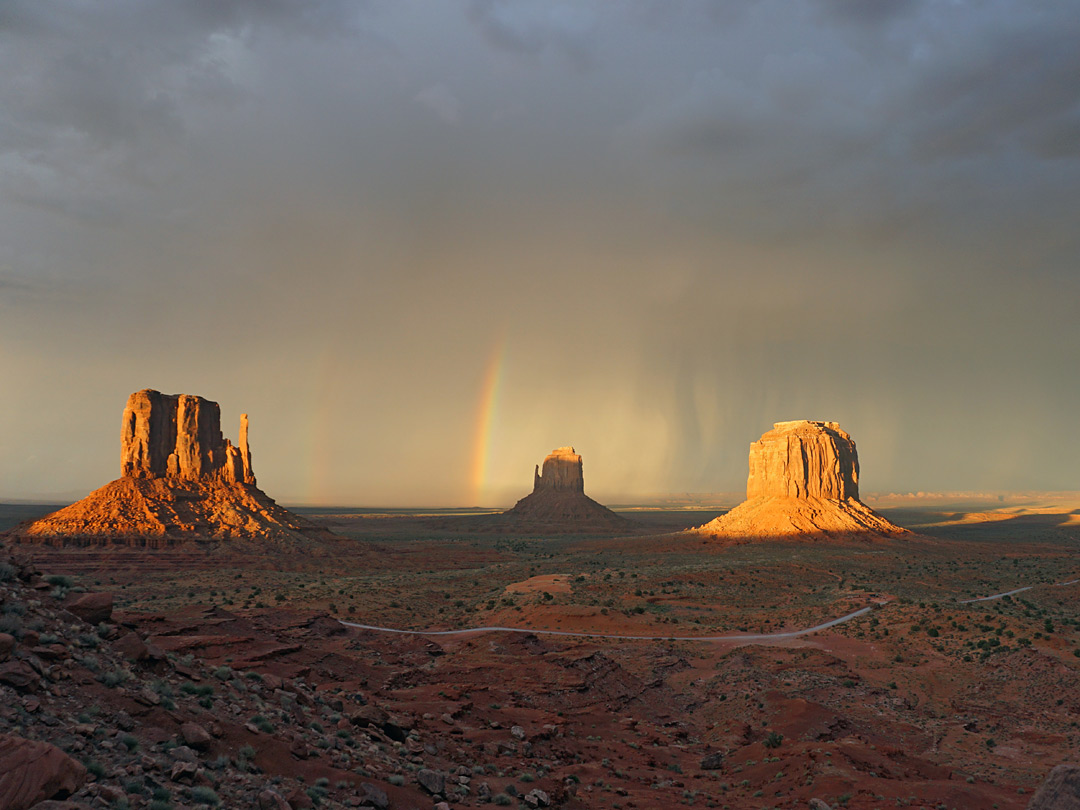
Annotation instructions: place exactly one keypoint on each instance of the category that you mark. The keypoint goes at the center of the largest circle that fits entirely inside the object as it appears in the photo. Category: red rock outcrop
(562, 472)
(803, 482)
(181, 480)
(32, 772)
(178, 436)
(558, 502)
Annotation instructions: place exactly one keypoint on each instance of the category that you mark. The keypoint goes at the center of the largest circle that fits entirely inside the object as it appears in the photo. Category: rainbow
(485, 419)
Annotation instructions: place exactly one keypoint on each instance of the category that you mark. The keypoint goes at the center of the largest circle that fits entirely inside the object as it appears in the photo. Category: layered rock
(558, 502)
(178, 436)
(803, 482)
(562, 472)
(180, 480)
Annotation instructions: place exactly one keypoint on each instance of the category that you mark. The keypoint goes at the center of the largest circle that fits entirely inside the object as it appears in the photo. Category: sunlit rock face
(804, 459)
(178, 436)
(561, 472)
(803, 484)
(181, 480)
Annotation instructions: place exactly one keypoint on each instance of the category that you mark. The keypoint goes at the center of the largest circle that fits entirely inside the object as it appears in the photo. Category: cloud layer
(679, 222)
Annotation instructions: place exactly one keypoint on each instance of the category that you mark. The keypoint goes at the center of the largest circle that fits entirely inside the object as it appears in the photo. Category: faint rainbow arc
(485, 419)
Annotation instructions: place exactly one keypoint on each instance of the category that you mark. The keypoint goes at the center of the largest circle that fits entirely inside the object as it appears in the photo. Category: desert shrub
(11, 624)
(59, 580)
(502, 800)
(7, 572)
(396, 779)
(262, 724)
(223, 673)
(204, 795)
(94, 768)
(129, 741)
(14, 609)
(115, 677)
(773, 740)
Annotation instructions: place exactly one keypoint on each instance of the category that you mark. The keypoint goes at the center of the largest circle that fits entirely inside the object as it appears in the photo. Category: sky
(422, 243)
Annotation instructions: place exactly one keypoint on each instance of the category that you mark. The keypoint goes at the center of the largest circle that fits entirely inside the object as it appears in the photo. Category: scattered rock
(7, 644)
(93, 608)
(537, 798)
(431, 781)
(710, 762)
(19, 675)
(195, 735)
(272, 800)
(374, 796)
(32, 772)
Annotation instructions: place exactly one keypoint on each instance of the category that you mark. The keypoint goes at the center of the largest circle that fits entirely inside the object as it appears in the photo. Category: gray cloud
(681, 223)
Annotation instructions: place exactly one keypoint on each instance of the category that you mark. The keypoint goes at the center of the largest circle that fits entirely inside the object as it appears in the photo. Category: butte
(557, 505)
(180, 481)
(803, 485)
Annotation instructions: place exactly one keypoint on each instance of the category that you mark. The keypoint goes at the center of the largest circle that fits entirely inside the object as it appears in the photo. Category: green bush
(204, 795)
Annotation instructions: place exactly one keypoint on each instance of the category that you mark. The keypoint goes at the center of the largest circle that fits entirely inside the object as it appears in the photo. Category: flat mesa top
(563, 451)
(808, 422)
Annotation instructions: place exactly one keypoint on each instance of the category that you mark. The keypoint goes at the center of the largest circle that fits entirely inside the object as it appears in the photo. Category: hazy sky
(403, 235)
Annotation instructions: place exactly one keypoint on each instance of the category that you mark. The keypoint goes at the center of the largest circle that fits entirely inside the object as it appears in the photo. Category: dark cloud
(737, 213)
(872, 13)
(533, 28)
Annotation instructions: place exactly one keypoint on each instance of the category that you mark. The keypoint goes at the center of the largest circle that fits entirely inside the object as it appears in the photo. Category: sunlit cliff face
(419, 241)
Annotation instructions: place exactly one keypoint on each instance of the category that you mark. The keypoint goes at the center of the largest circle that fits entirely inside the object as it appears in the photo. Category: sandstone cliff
(178, 436)
(803, 482)
(180, 481)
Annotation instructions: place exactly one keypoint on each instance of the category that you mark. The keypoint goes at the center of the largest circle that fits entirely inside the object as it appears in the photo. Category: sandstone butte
(558, 501)
(803, 484)
(181, 480)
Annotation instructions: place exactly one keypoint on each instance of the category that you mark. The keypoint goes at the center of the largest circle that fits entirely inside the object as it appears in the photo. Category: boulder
(195, 735)
(33, 772)
(19, 675)
(7, 644)
(431, 781)
(92, 608)
(1059, 791)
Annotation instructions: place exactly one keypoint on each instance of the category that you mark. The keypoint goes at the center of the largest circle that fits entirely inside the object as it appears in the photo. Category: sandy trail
(739, 637)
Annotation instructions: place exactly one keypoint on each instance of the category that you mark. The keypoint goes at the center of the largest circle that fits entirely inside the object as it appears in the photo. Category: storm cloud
(676, 223)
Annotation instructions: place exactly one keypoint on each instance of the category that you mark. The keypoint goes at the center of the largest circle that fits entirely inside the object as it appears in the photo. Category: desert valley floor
(926, 700)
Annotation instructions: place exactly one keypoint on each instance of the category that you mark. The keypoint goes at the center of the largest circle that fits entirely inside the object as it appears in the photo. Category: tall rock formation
(562, 472)
(558, 503)
(803, 482)
(178, 436)
(181, 480)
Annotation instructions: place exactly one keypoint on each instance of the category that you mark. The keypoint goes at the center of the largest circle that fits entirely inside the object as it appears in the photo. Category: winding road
(467, 631)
